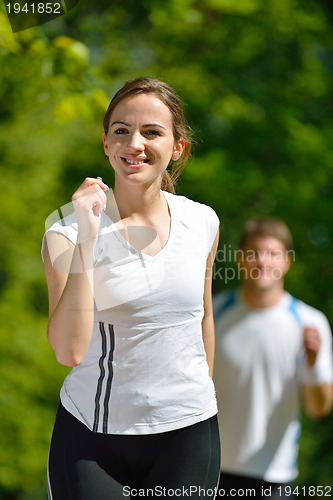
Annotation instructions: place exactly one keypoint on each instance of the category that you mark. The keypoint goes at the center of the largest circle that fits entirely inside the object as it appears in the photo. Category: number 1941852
(310, 491)
(34, 8)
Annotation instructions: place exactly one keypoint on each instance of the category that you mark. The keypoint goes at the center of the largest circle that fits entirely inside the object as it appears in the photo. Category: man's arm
(318, 397)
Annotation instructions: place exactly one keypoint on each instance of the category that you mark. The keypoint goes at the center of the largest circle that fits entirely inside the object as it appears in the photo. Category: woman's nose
(136, 141)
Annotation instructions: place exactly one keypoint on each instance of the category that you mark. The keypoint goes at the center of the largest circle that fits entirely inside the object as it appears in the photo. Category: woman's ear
(178, 149)
(105, 144)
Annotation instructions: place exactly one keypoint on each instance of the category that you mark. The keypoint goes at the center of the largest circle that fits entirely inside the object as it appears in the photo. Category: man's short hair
(266, 227)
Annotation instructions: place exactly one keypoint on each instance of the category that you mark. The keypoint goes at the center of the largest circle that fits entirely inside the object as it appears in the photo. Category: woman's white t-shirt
(145, 370)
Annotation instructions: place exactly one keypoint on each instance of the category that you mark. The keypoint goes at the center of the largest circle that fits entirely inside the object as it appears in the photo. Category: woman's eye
(154, 133)
(120, 131)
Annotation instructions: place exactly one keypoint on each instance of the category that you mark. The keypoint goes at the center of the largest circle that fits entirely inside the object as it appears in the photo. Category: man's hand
(312, 344)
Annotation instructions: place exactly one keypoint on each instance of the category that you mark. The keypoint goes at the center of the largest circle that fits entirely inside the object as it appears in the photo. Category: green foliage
(256, 77)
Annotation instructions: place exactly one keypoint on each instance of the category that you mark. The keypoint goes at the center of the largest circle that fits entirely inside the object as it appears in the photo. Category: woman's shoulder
(63, 216)
(194, 207)
(200, 218)
(63, 221)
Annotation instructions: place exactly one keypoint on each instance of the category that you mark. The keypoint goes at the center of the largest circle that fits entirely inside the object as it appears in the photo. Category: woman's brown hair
(181, 130)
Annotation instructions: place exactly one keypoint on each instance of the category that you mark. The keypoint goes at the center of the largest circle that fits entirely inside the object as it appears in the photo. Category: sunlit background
(257, 80)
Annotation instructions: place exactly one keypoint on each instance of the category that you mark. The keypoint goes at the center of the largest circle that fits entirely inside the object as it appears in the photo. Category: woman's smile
(135, 162)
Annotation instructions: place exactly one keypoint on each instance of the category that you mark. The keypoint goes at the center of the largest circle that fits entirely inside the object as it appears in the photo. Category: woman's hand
(89, 200)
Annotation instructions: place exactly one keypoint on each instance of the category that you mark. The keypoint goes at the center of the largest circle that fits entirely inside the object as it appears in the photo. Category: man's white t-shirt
(258, 372)
(145, 370)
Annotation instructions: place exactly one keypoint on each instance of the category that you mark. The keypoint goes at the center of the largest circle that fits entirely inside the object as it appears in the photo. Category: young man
(270, 349)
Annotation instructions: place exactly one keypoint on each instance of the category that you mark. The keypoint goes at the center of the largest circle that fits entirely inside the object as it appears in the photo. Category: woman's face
(140, 141)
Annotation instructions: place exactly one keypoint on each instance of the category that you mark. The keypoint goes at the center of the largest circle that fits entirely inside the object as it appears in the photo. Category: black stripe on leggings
(109, 381)
(101, 376)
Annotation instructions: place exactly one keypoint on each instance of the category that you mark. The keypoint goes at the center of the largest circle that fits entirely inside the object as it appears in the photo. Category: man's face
(264, 262)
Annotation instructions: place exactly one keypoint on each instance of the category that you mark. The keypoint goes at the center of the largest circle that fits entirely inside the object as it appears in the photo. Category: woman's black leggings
(84, 465)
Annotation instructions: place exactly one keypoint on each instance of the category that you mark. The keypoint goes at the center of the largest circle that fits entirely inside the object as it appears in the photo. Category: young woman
(129, 278)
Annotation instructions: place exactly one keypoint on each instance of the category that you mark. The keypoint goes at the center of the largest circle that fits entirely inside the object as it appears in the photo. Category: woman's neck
(140, 200)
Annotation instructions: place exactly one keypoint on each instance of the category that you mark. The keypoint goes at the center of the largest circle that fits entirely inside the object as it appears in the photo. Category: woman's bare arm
(69, 275)
(208, 332)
